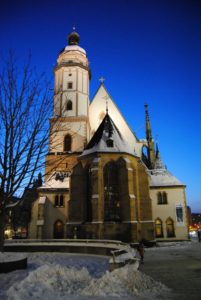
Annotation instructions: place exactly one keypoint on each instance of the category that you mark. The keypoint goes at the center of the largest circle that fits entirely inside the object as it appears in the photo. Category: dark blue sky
(148, 51)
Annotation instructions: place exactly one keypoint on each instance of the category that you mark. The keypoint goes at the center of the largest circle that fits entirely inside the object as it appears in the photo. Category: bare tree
(25, 107)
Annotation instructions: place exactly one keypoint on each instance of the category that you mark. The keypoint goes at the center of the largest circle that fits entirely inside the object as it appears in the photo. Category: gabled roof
(107, 138)
(102, 86)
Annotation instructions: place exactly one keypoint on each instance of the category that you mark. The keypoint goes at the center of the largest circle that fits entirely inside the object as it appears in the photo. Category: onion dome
(73, 38)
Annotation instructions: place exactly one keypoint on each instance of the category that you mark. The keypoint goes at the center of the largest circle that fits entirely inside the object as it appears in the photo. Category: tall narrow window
(159, 195)
(179, 214)
(69, 105)
(111, 195)
(56, 200)
(158, 228)
(170, 228)
(164, 198)
(67, 143)
(61, 203)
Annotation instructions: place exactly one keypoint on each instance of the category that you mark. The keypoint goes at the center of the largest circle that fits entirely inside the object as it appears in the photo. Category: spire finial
(73, 37)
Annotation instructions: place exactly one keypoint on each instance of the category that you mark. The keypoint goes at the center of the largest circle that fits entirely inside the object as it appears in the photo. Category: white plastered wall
(176, 197)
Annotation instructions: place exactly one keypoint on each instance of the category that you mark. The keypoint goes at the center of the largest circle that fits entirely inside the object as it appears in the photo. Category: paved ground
(178, 267)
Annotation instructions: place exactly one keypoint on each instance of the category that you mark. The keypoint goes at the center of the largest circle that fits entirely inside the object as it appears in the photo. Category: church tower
(69, 126)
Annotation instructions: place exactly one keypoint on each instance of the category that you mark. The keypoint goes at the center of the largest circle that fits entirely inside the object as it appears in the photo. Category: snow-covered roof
(162, 178)
(107, 138)
(58, 180)
(75, 48)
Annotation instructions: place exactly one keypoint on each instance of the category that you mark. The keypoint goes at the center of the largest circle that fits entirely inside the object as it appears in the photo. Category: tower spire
(148, 124)
(150, 142)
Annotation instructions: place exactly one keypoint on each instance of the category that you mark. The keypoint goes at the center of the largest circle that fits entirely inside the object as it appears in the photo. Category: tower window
(67, 142)
(70, 85)
(69, 105)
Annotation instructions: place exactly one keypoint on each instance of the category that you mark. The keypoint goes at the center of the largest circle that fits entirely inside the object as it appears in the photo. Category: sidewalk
(178, 267)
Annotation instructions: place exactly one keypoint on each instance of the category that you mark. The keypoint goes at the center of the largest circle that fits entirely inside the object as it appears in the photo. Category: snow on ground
(67, 276)
(10, 256)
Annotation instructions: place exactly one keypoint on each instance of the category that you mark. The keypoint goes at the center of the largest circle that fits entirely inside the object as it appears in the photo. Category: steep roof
(107, 138)
(97, 111)
(160, 176)
(163, 178)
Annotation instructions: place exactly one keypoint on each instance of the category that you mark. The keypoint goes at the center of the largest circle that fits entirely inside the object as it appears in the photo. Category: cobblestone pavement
(178, 266)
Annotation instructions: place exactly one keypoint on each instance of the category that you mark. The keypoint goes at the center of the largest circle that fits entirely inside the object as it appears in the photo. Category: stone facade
(99, 183)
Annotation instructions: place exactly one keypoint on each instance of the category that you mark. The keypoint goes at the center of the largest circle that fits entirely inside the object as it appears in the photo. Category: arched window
(67, 143)
(170, 228)
(111, 195)
(58, 230)
(56, 200)
(69, 105)
(158, 228)
(159, 196)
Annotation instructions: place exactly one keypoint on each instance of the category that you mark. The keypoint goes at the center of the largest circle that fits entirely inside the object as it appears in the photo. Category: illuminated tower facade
(69, 130)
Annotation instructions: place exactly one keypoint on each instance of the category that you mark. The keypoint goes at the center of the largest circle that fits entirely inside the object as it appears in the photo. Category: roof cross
(101, 79)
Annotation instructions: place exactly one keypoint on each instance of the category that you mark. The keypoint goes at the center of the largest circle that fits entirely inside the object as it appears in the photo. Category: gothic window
(170, 228)
(158, 228)
(179, 214)
(111, 195)
(162, 198)
(70, 85)
(67, 143)
(69, 105)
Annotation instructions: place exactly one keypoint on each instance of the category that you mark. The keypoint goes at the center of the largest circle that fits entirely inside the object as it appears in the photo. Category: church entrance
(58, 230)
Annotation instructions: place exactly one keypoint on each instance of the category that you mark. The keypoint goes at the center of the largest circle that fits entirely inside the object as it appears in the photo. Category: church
(101, 180)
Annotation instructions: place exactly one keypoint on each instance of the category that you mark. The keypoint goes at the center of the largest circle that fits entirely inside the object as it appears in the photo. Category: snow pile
(126, 282)
(58, 282)
(50, 282)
